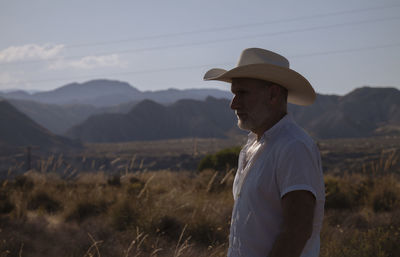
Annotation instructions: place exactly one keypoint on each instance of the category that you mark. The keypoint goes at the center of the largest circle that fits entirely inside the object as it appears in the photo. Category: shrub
(169, 226)
(387, 200)
(134, 180)
(379, 241)
(348, 192)
(123, 216)
(222, 160)
(385, 196)
(134, 189)
(135, 186)
(5, 204)
(363, 190)
(336, 198)
(43, 201)
(204, 231)
(85, 210)
(114, 181)
(24, 183)
(213, 181)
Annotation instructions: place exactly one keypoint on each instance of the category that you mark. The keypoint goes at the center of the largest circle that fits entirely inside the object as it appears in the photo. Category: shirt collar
(274, 129)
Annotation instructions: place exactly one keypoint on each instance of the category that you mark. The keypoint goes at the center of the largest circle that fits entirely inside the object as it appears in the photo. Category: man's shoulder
(294, 134)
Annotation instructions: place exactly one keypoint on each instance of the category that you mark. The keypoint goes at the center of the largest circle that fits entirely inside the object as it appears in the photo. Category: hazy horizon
(218, 87)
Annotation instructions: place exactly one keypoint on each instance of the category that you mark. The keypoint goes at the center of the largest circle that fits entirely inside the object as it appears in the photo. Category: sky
(338, 45)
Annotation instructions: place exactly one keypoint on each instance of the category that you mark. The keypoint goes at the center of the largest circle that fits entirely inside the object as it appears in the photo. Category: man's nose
(235, 103)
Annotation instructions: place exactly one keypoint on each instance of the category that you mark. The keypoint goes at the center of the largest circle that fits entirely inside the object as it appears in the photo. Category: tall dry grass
(166, 213)
(146, 214)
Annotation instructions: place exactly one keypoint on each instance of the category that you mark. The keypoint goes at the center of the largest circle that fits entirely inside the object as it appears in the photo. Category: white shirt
(285, 159)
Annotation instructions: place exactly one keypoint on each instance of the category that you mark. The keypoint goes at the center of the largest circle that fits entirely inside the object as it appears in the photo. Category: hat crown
(261, 56)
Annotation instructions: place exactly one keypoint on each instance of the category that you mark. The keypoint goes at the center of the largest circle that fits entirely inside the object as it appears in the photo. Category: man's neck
(268, 124)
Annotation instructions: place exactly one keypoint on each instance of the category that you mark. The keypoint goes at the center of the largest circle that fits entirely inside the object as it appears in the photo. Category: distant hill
(363, 112)
(17, 129)
(149, 120)
(60, 109)
(18, 94)
(173, 95)
(104, 93)
(56, 118)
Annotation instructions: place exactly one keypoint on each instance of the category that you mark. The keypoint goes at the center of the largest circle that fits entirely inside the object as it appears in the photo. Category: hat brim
(300, 91)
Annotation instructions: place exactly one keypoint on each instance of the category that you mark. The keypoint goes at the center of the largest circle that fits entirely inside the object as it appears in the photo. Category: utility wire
(349, 50)
(233, 27)
(205, 65)
(137, 50)
(116, 74)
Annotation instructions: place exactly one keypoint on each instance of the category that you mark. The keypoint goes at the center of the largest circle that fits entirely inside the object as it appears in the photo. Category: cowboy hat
(265, 65)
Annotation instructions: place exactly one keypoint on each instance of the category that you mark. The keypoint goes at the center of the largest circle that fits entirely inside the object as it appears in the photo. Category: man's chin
(243, 125)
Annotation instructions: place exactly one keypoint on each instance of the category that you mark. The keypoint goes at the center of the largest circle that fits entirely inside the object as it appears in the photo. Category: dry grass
(165, 213)
(177, 214)
(147, 214)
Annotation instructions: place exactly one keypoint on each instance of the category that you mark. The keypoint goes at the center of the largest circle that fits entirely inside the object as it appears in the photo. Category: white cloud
(89, 62)
(30, 52)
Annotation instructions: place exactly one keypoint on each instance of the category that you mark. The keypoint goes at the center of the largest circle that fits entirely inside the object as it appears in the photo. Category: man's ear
(275, 93)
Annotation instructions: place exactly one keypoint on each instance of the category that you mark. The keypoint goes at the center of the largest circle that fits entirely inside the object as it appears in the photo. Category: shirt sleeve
(297, 169)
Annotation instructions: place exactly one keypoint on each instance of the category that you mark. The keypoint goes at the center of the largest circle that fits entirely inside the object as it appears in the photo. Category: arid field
(86, 206)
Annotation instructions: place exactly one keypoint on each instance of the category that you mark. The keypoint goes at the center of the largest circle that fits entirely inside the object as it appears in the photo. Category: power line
(137, 50)
(204, 65)
(350, 50)
(116, 74)
(233, 27)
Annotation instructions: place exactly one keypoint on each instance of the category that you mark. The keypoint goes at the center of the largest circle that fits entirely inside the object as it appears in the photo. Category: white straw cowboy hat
(265, 65)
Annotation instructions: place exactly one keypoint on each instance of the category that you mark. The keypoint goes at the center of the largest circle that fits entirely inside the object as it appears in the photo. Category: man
(278, 187)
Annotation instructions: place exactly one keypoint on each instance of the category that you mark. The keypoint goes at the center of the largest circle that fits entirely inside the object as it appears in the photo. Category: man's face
(251, 103)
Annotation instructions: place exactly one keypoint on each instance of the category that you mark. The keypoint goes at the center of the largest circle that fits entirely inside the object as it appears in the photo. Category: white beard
(248, 124)
(253, 122)
(244, 125)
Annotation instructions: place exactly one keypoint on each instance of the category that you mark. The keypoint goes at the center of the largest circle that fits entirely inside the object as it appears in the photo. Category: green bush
(222, 160)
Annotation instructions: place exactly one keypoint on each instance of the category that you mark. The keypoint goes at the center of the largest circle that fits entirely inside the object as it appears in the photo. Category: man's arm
(298, 214)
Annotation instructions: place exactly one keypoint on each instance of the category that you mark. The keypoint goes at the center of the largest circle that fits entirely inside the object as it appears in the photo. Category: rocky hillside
(17, 129)
(362, 113)
(149, 120)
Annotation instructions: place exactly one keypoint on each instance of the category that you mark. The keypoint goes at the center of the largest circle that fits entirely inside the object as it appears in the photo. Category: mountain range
(74, 112)
(60, 109)
(106, 93)
(364, 112)
(149, 120)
